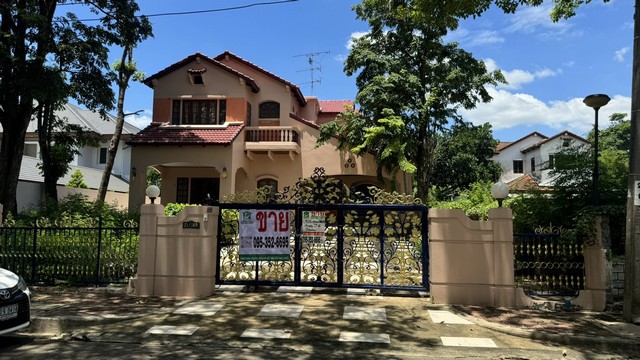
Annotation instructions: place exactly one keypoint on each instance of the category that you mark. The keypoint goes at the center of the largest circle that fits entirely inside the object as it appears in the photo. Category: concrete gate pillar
(177, 254)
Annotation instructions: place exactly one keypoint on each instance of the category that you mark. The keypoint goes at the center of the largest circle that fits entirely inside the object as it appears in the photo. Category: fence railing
(548, 264)
(72, 255)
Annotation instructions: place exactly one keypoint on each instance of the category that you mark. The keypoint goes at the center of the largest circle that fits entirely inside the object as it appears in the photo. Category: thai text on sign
(264, 235)
(313, 227)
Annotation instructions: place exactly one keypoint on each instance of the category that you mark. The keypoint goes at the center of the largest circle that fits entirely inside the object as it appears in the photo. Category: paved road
(258, 325)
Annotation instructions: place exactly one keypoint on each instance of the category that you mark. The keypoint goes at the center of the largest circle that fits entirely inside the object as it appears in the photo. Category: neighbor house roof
(503, 145)
(334, 106)
(90, 120)
(30, 172)
(567, 134)
(294, 88)
(194, 57)
(524, 183)
(156, 134)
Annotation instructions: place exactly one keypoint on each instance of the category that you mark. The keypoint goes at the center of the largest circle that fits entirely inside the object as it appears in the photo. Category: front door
(203, 189)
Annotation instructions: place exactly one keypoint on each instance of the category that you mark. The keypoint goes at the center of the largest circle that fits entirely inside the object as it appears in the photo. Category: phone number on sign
(258, 242)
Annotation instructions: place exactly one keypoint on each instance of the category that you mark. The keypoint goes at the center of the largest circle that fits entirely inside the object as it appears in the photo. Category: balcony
(271, 140)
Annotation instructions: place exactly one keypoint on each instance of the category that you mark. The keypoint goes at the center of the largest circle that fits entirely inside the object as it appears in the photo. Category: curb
(615, 341)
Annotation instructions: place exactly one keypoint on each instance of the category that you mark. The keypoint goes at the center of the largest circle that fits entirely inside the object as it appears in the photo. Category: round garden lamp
(499, 191)
(596, 101)
(153, 192)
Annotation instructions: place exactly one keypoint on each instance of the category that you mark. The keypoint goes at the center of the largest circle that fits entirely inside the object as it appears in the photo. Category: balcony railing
(282, 134)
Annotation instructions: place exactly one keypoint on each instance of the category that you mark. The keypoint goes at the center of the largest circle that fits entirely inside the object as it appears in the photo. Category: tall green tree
(410, 87)
(45, 59)
(130, 31)
(463, 157)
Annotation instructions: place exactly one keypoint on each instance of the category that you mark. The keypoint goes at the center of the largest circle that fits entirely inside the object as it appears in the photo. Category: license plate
(8, 312)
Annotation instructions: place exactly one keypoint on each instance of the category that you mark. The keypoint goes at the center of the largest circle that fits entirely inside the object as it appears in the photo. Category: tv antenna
(311, 59)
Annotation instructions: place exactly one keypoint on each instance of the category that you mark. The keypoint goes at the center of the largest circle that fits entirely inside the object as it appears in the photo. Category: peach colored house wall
(471, 262)
(173, 261)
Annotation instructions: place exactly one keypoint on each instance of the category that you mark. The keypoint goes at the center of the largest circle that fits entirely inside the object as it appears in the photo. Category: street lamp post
(596, 101)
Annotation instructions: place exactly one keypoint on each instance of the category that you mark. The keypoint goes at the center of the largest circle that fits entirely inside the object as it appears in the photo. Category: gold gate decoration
(366, 242)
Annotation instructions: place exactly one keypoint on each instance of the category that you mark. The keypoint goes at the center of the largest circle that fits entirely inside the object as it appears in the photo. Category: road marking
(203, 308)
(447, 317)
(281, 310)
(266, 334)
(364, 337)
(364, 313)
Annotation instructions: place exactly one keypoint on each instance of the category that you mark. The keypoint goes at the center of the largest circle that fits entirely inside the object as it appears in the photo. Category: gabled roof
(89, 120)
(248, 80)
(564, 133)
(30, 172)
(334, 106)
(294, 88)
(93, 121)
(503, 145)
(156, 134)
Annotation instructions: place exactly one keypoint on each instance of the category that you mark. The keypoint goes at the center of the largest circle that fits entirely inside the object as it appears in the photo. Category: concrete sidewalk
(308, 318)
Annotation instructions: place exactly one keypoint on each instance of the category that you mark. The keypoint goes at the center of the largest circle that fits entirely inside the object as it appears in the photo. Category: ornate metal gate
(375, 240)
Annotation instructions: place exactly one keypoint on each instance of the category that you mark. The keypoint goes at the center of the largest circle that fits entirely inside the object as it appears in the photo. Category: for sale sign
(264, 235)
(313, 226)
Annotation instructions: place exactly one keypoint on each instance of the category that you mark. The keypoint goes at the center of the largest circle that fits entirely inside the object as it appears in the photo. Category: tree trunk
(13, 136)
(123, 82)
(45, 132)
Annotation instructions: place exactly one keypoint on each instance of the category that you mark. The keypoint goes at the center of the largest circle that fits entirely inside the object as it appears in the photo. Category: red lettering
(284, 221)
(275, 220)
(261, 216)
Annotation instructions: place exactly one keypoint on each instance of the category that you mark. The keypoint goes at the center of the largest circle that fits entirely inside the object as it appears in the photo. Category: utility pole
(631, 308)
(310, 59)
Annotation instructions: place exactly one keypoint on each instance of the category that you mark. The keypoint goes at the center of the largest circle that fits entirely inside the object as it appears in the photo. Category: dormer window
(195, 76)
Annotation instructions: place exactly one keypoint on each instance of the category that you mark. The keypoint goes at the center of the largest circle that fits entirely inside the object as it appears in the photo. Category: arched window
(269, 110)
(271, 183)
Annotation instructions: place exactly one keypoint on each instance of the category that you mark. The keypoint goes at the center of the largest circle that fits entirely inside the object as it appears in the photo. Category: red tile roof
(248, 80)
(524, 183)
(334, 106)
(294, 88)
(156, 134)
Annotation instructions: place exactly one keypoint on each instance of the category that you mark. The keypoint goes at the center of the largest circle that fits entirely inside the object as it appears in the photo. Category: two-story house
(527, 162)
(223, 125)
(103, 129)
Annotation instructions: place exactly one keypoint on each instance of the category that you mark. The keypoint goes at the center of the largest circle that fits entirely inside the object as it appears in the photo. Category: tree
(77, 180)
(45, 59)
(410, 86)
(130, 31)
(463, 157)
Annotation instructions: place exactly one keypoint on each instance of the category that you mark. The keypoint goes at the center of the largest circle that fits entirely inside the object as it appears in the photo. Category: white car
(15, 302)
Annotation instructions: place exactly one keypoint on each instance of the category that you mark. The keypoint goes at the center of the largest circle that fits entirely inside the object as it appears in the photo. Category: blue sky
(551, 67)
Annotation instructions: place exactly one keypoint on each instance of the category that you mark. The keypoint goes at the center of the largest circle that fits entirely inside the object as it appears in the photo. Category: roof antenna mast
(311, 59)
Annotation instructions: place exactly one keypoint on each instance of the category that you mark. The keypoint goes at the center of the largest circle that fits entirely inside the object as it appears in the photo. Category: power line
(264, 3)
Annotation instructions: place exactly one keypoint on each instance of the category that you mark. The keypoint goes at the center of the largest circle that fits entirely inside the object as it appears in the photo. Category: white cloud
(477, 38)
(517, 77)
(619, 54)
(509, 110)
(355, 35)
(536, 20)
(140, 120)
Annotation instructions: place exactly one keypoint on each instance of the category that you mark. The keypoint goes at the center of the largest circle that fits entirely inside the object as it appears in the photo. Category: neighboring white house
(90, 162)
(30, 190)
(90, 157)
(526, 162)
